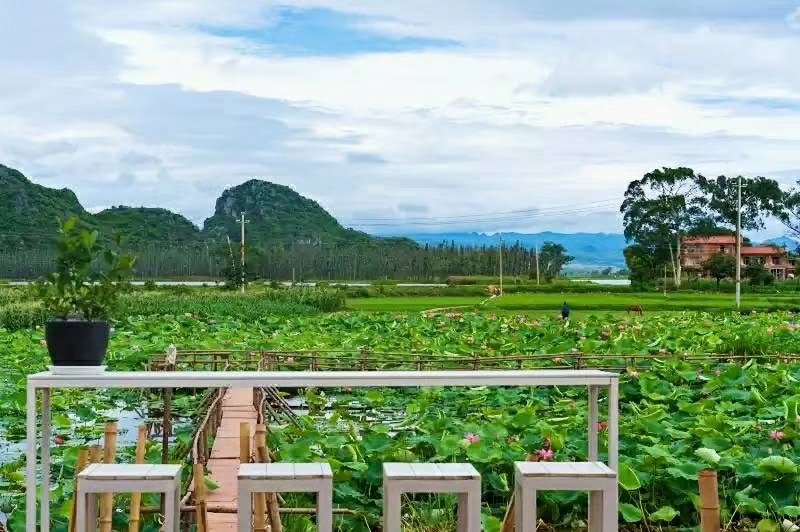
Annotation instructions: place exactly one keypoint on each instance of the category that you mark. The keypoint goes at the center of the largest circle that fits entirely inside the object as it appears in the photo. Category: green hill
(276, 213)
(30, 211)
(147, 225)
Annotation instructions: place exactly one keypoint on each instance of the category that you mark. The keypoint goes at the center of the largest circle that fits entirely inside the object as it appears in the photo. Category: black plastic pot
(77, 342)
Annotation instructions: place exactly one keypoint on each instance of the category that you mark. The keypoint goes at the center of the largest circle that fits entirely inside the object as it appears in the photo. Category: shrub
(458, 280)
(78, 287)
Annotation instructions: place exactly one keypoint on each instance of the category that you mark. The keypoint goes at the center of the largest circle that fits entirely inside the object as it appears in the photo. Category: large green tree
(662, 207)
(761, 198)
(791, 218)
(720, 266)
(552, 259)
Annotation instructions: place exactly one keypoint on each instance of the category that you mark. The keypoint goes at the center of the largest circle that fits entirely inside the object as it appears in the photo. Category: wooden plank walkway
(223, 465)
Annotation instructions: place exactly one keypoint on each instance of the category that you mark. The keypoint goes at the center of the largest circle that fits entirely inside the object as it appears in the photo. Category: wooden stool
(595, 477)
(432, 478)
(128, 478)
(285, 477)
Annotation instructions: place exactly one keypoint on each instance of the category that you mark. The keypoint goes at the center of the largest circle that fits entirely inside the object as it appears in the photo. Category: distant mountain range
(276, 213)
(785, 242)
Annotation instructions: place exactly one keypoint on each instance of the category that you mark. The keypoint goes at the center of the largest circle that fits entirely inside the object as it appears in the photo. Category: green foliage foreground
(20, 309)
(747, 415)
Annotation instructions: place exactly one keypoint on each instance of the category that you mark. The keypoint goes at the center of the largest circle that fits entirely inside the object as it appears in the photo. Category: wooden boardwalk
(237, 407)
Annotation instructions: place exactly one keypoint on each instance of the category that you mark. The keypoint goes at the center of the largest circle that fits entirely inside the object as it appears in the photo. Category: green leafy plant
(89, 276)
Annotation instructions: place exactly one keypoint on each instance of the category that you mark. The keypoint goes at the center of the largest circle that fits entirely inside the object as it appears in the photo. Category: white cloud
(537, 104)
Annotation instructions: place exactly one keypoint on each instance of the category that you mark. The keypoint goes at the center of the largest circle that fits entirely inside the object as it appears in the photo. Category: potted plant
(81, 294)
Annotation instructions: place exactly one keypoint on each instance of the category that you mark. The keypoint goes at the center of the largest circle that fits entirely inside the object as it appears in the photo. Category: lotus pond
(676, 418)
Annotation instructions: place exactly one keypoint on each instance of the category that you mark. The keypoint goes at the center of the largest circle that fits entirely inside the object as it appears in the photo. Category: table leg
(596, 510)
(30, 481)
(392, 510)
(325, 507)
(44, 524)
(593, 420)
(613, 424)
(245, 499)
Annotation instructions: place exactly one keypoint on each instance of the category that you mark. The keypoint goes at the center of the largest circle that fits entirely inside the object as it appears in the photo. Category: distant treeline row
(287, 262)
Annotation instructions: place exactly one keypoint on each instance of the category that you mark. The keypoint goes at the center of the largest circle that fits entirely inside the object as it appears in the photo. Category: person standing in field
(565, 311)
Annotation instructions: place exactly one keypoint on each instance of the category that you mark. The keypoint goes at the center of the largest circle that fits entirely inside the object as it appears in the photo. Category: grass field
(581, 303)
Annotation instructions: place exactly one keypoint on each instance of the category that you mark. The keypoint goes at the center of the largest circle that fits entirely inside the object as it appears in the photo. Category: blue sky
(323, 32)
(398, 116)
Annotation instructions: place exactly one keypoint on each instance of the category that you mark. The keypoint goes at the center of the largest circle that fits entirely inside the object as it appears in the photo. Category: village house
(698, 249)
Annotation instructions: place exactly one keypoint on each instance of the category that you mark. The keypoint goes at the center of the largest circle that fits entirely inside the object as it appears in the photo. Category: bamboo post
(709, 501)
(259, 499)
(109, 457)
(136, 498)
(95, 454)
(271, 498)
(80, 465)
(201, 509)
(244, 442)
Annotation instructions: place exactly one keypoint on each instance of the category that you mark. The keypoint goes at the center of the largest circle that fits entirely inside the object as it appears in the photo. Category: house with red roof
(698, 249)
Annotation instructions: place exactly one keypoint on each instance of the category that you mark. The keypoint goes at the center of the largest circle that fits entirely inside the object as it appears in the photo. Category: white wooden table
(43, 383)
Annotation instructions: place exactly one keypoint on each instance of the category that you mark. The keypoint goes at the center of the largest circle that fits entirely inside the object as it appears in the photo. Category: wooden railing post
(201, 516)
(259, 499)
(244, 442)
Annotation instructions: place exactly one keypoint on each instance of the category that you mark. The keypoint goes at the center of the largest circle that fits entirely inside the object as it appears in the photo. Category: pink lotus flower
(472, 438)
(602, 425)
(545, 455)
(777, 435)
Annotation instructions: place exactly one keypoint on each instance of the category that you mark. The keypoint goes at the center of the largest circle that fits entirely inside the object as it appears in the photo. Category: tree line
(668, 204)
(313, 260)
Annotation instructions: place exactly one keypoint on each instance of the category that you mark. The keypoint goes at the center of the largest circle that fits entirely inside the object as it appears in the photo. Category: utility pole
(501, 265)
(537, 263)
(739, 246)
(243, 221)
(665, 280)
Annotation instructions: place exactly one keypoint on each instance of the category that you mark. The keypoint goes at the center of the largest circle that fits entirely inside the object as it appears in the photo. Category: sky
(399, 116)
